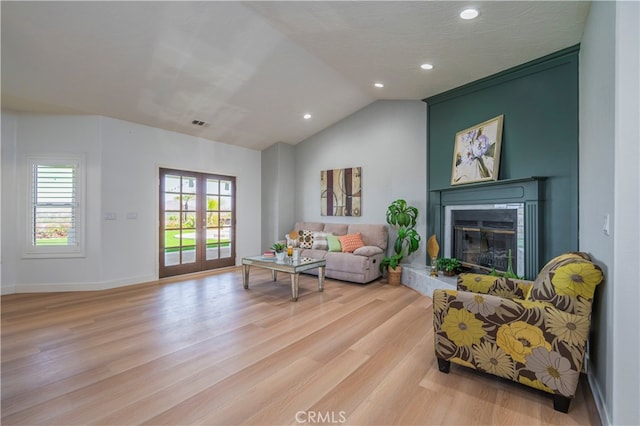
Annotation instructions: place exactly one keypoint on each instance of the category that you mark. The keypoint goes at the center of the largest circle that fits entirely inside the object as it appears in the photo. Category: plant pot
(449, 273)
(394, 276)
(280, 257)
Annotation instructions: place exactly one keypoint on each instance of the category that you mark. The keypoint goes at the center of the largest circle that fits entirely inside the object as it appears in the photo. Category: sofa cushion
(311, 226)
(372, 234)
(305, 238)
(368, 251)
(320, 241)
(336, 228)
(350, 242)
(334, 243)
(314, 254)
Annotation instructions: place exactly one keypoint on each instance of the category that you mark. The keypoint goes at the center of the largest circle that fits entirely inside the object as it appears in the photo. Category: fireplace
(483, 236)
(493, 218)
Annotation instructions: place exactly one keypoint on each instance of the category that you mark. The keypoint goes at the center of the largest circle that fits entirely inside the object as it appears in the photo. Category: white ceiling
(250, 70)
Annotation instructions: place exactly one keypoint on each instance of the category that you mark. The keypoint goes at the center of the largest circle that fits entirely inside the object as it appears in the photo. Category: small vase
(280, 257)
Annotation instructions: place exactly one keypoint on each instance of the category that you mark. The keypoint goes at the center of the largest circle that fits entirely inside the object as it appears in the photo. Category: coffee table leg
(294, 287)
(245, 276)
(321, 278)
(274, 275)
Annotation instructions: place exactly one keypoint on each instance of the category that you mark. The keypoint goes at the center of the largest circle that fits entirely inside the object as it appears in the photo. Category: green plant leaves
(404, 218)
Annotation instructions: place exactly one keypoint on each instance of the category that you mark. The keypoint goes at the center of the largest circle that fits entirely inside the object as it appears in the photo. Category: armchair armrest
(497, 286)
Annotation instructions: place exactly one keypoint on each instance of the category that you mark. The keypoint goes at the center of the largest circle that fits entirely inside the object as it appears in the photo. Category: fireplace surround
(519, 200)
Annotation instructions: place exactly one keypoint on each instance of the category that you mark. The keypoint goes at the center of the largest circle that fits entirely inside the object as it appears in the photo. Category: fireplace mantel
(529, 191)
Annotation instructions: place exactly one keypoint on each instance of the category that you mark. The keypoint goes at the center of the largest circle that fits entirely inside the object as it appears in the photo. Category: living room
(279, 185)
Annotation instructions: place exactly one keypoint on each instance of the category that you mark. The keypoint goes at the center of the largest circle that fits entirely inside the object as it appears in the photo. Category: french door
(197, 222)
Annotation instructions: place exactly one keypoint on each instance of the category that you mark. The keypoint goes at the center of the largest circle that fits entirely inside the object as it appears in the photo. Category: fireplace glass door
(484, 248)
(482, 239)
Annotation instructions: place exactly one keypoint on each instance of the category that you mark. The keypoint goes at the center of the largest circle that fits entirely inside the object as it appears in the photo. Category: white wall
(388, 140)
(7, 159)
(625, 408)
(278, 196)
(610, 185)
(122, 177)
(597, 100)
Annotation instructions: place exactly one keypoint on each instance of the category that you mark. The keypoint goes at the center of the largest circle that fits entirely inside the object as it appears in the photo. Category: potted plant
(403, 218)
(449, 266)
(279, 248)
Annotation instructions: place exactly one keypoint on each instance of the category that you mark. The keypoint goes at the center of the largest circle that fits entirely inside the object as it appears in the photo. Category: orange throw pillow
(351, 242)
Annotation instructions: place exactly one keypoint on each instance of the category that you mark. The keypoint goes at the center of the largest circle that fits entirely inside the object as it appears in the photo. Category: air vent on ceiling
(198, 123)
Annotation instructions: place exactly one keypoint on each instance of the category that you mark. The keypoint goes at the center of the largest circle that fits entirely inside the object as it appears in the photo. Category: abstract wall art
(341, 192)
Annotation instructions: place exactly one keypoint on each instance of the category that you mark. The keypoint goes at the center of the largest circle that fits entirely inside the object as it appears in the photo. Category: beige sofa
(361, 266)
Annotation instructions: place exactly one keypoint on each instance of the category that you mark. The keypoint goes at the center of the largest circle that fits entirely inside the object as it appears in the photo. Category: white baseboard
(598, 397)
(84, 286)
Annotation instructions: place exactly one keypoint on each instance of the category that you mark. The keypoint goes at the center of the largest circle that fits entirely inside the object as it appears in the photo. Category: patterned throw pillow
(320, 241)
(305, 237)
(334, 243)
(351, 242)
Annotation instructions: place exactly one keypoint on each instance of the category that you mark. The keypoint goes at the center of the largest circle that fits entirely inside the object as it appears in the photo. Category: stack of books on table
(269, 254)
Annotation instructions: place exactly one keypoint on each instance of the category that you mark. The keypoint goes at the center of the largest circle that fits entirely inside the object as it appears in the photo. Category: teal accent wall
(539, 101)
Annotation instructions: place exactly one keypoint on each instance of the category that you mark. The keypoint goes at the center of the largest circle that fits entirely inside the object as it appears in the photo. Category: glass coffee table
(291, 267)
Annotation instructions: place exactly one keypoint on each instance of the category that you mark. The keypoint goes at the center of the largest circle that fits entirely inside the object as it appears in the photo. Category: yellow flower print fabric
(576, 279)
(518, 339)
(462, 327)
(534, 333)
(567, 282)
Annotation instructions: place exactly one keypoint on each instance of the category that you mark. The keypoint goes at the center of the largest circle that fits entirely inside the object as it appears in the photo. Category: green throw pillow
(334, 243)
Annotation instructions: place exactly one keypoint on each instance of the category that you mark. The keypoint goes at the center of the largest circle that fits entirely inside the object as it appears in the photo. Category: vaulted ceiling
(251, 70)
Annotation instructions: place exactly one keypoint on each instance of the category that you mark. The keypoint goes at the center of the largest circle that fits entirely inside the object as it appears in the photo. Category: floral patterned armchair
(531, 332)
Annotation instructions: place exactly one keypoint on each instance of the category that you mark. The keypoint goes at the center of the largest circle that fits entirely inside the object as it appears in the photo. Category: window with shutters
(55, 207)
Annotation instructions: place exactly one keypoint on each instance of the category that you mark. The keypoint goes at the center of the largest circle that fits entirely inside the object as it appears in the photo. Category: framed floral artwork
(476, 152)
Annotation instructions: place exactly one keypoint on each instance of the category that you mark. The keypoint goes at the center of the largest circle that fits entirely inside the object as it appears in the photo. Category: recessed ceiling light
(378, 85)
(306, 116)
(426, 66)
(469, 13)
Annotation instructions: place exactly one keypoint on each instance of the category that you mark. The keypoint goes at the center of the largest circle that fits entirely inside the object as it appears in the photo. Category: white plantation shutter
(55, 209)
(54, 205)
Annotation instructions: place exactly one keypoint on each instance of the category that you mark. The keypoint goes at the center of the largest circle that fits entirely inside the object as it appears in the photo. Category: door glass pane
(171, 201)
(212, 202)
(213, 219)
(212, 186)
(188, 202)
(225, 203)
(225, 187)
(188, 255)
(226, 218)
(171, 239)
(213, 242)
(188, 185)
(172, 220)
(188, 220)
(225, 250)
(172, 183)
(171, 258)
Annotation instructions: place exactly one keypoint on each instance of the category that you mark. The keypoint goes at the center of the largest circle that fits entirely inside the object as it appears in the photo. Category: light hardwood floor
(202, 350)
